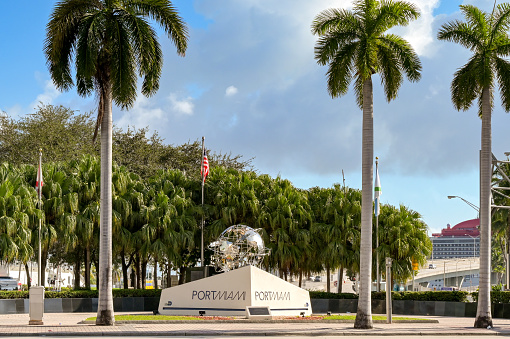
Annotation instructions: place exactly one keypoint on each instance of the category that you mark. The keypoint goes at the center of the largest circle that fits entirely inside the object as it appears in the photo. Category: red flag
(39, 181)
(204, 170)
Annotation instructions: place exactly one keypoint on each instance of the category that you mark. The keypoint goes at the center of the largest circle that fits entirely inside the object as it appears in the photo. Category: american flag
(204, 170)
(39, 181)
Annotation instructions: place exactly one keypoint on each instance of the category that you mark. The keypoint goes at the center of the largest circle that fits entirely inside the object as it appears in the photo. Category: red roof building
(464, 229)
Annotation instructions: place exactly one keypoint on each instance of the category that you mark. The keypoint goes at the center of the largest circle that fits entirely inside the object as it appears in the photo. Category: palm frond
(340, 71)
(61, 34)
(461, 33)
(407, 58)
(391, 77)
(501, 23)
(164, 13)
(502, 67)
(122, 64)
(394, 13)
(334, 20)
(465, 87)
(358, 90)
(329, 44)
(476, 18)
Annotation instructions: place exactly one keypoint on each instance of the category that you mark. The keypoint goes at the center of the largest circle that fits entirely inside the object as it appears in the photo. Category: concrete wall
(68, 305)
(409, 307)
(319, 306)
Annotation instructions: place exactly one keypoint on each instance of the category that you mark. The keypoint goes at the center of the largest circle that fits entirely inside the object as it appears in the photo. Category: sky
(250, 84)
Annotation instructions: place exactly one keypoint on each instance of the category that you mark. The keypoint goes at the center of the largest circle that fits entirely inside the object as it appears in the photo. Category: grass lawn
(143, 317)
(128, 317)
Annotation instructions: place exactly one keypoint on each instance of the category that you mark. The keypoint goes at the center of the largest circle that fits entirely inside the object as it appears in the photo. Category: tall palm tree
(355, 45)
(486, 36)
(111, 43)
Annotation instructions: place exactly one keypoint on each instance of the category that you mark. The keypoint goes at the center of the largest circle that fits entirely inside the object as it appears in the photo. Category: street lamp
(473, 206)
(474, 245)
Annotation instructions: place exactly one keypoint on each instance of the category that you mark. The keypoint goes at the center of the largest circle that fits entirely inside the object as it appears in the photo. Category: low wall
(148, 304)
(409, 307)
(68, 305)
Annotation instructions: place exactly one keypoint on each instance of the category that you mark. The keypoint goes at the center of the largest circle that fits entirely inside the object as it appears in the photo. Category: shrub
(81, 293)
(497, 297)
(331, 295)
(422, 296)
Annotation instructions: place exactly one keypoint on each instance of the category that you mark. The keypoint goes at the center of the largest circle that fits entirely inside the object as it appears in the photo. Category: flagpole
(39, 177)
(202, 171)
(378, 275)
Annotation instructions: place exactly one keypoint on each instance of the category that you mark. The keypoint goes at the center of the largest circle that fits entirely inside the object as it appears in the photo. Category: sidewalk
(68, 324)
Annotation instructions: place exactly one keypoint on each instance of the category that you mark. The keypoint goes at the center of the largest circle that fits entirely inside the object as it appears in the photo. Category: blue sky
(250, 85)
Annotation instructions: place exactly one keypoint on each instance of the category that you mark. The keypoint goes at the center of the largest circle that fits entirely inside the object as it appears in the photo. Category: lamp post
(474, 245)
(473, 206)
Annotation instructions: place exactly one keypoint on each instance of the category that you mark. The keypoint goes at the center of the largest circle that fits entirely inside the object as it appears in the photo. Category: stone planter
(409, 307)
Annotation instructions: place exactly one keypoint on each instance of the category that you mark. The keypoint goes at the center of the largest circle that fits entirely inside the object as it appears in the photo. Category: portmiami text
(218, 295)
(272, 295)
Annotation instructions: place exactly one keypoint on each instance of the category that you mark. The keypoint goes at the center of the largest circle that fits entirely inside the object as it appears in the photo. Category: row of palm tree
(355, 44)
(156, 221)
(112, 42)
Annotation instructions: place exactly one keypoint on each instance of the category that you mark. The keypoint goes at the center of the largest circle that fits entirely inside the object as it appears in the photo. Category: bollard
(388, 290)
(36, 305)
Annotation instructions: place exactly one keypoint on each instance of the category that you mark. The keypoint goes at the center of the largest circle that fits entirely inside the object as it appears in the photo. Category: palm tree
(403, 237)
(111, 42)
(486, 36)
(355, 45)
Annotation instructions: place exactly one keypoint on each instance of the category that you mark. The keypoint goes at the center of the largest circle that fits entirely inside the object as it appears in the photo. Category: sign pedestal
(230, 293)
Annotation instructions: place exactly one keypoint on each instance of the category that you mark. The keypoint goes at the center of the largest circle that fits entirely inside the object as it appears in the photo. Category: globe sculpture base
(229, 293)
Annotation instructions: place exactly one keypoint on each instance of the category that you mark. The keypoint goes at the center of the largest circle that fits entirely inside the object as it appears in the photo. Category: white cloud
(230, 91)
(48, 96)
(143, 113)
(183, 106)
(420, 33)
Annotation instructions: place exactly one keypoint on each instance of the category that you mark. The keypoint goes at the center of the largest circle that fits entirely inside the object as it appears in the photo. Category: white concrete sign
(229, 293)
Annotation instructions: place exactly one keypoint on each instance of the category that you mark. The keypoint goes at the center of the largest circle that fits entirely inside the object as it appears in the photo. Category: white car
(8, 283)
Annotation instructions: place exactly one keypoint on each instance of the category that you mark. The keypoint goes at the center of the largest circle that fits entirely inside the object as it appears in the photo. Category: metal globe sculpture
(238, 246)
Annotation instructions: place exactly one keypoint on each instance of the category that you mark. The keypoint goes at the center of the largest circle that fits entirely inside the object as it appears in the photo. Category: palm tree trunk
(77, 267)
(138, 264)
(87, 268)
(364, 314)
(124, 270)
(96, 265)
(155, 274)
(29, 283)
(182, 275)
(328, 280)
(168, 275)
(340, 279)
(44, 260)
(105, 314)
(300, 277)
(144, 274)
(483, 311)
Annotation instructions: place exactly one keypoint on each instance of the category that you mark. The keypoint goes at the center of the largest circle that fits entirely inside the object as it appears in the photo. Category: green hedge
(331, 295)
(117, 293)
(422, 296)
(497, 297)
(459, 296)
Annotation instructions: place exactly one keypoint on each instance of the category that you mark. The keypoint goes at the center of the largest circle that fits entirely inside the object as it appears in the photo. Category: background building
(459, 241)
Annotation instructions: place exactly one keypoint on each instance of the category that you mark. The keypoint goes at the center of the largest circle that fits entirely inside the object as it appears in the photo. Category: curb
(250, 321)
